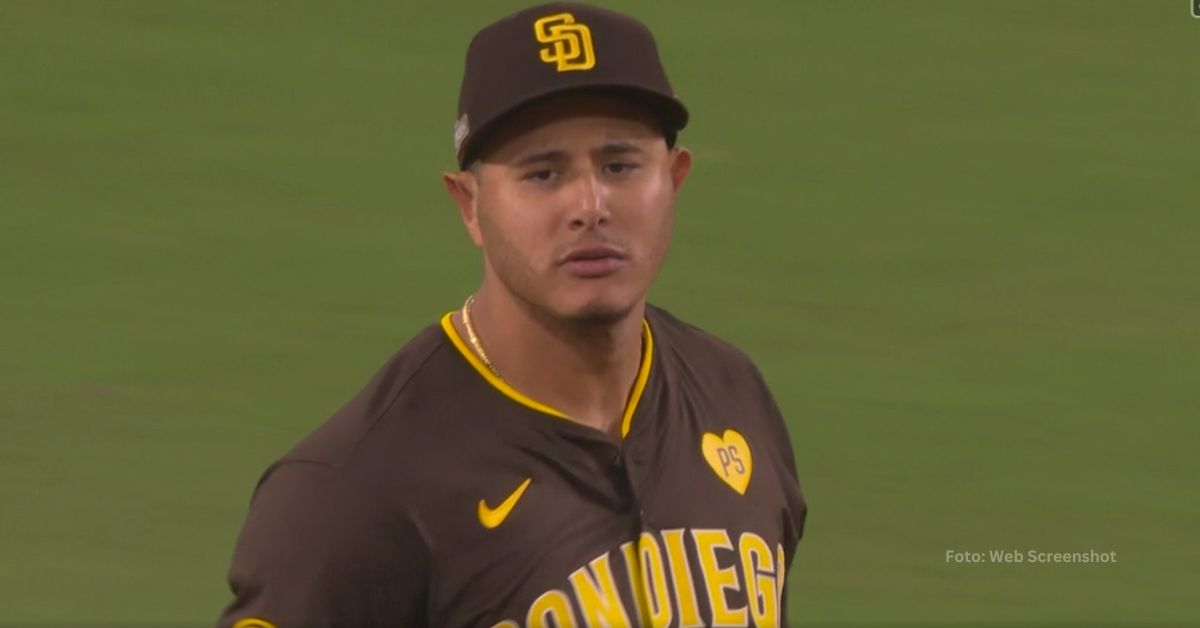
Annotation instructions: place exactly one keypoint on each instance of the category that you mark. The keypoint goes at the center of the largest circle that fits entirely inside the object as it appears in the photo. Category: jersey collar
(639, 384)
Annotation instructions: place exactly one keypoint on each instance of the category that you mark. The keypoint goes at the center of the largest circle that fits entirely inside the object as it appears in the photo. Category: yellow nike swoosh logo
(492, 517)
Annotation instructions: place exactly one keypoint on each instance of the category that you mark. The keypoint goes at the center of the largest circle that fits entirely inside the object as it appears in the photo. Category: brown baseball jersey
(439, 496)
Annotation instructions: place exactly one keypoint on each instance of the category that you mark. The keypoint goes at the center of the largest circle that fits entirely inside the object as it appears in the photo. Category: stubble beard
(595, 318)
(592, 318)
(520, 279)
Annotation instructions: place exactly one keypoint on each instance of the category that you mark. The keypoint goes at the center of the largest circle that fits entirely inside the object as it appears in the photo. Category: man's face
(572, 203)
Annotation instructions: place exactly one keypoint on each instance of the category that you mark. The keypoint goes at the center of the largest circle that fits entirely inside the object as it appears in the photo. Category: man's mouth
(593, 262)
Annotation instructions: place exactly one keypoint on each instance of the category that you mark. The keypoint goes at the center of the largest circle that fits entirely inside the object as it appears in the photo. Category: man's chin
(600, 313)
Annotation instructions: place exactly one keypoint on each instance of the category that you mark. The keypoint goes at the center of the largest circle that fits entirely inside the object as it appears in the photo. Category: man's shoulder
(404, 376)
(680, 339)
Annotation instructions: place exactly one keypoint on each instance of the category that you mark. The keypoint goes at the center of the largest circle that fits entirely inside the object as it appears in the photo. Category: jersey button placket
(633, 470)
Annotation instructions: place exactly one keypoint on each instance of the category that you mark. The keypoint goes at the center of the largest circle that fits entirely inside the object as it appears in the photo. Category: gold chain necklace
(466, 315)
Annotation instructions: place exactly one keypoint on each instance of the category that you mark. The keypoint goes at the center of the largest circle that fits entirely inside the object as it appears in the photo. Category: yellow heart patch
(729, 456)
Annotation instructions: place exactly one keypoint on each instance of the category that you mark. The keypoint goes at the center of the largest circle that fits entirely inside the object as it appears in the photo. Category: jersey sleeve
(320, 550)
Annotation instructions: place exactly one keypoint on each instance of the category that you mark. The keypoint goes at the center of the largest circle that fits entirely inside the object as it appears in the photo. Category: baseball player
(556, 452)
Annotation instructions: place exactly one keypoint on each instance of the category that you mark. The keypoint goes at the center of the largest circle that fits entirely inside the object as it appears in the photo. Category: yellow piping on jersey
(639, 384)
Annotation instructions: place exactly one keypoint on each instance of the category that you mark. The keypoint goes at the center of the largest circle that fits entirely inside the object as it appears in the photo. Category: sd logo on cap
(571, 43)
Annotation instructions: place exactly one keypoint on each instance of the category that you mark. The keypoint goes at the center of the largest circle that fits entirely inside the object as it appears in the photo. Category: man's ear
(463, 187)
(681, 164)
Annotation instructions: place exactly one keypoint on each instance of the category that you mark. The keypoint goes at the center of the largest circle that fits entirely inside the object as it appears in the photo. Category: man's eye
(541, 176)
(619, 167)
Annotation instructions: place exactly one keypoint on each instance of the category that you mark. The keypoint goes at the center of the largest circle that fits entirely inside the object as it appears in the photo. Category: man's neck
(586, 371)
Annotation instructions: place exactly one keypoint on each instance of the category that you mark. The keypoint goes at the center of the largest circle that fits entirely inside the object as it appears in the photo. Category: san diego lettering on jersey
(728, 581)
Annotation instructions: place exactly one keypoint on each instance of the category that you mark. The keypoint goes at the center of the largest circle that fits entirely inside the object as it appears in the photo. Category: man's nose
(590, 204)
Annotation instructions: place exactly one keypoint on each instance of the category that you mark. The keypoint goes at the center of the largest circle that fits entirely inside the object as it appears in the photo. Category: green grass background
(959, 237)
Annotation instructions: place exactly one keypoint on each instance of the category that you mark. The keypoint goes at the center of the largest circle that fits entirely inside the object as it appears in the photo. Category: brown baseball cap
(554, 48)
